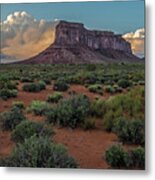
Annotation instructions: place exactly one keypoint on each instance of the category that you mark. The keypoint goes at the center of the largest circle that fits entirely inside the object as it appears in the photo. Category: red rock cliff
(75, 44)
(74, 34)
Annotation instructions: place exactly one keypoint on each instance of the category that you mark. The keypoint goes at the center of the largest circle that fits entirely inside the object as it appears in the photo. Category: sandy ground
(87, 147)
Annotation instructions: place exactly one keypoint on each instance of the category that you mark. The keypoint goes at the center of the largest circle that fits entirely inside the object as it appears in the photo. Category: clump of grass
(34, 87)
(54, 98)
(10, 119)
(118, 158)
(60, 85)
(38, 107)
(69, 112)
(8, 93)
(110, 89)
(26, 129)
(39, 152)
(96, 88)
(18, 104)
(89, 123)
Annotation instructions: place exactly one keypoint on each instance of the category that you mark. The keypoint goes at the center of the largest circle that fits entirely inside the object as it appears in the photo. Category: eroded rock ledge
(74, 34)
(75, 44)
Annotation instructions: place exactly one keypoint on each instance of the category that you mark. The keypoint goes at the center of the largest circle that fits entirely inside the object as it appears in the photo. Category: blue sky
(120, 17)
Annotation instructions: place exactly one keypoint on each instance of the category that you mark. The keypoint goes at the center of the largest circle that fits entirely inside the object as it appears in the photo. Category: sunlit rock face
(73, 43)
(74, 34)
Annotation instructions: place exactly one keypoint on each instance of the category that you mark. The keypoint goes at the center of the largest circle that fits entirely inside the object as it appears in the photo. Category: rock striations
(75, 44)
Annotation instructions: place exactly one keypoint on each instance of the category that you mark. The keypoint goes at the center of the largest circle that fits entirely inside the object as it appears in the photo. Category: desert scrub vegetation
(98, 108)
(18, 104)
(26, 79)
(118, 158)
(69, 112)
(124, 83)
(26, 129)
(39, 107)
(130, 131)
(10, 119)
(130, 106)
(8, 93)
(60, 85)
(96, 88)
(89, 123)
(7, 84)
(39, 152)
(113, 89)
(34, 87)
(110, 89)
(55, 97)
(8, 89)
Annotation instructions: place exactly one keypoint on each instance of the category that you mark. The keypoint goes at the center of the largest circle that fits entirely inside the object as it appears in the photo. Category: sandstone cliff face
(74, 34)
(75, 44)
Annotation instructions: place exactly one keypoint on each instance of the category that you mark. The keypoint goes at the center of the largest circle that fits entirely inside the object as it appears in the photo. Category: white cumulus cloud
(22, 36)
(137, 41)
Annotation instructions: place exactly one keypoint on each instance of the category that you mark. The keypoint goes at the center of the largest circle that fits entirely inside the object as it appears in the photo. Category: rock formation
(75, 44)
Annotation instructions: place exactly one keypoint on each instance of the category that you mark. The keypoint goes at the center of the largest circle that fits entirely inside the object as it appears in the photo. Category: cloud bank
(137, 41)
(22, 36)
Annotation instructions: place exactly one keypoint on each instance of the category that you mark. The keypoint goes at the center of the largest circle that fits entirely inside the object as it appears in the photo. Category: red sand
(87, 147)
(6, 145)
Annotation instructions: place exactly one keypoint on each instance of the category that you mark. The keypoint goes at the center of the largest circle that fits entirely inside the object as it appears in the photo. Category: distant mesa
(75, 44)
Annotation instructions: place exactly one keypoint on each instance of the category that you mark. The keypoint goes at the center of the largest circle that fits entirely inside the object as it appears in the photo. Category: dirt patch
(83, 90)
(87, 147)
(6, 145)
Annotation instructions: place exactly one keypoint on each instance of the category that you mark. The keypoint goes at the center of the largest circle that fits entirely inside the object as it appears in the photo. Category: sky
(19, 21)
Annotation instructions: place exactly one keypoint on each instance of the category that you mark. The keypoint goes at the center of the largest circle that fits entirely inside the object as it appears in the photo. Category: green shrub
(26, 129)
(6, 84)
(108, 120)
(26, 79)
(117, 89)
(95, 88)
(98, 108)
(52, 115)
(124, 83)
(38, 107)
(130, 131)
(31, 87)
(39, 152)
(70, 112)
(138, 157)
(47, 81)
(128, 106)
(110, 89)
(10, 119)
(91, 67)
(8, 93)
(116, 157)
(34, 87)
(89, 123)
(55, 97)
(60, 85)
(18, 104)
(42, 85)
